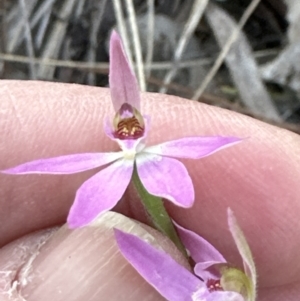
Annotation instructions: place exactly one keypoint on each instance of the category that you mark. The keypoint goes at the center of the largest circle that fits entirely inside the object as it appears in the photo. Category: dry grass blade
(57, 34)
(28, 38)
(79, 8)
(285, 69)
(97, 17)
(122, 29)
(226, 104)
(232, 38)
(42, 29)
(136, 44)
(45, 7)
(16, 25)
(189, 28)
(150, 34)
(41, 14)
(241, 62)
(2, 35)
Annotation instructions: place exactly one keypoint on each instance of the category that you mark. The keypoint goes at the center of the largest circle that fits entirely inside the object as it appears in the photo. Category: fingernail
(85, 264)
(15, 262)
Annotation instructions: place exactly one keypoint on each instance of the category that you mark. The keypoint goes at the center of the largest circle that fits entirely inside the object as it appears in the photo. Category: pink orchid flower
(160, 174)
(214, 278)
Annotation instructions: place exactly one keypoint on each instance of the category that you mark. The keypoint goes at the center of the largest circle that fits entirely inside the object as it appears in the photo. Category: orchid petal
(192, 147)
(207, 270)
(202, 252)
(200, 249)
(65, 164)
(159, 269)
(243, 248)
(122, 81)
(100, 193)
(166, 178)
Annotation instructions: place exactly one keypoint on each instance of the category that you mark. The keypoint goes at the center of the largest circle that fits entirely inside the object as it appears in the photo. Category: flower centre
(214, 285)
(128, 123)
(129, 128)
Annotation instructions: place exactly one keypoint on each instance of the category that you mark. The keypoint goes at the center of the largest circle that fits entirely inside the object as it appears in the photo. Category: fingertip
(86, 264)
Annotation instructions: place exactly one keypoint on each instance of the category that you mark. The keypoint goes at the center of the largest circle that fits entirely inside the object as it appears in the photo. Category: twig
(193, 20)
(103, 67)
(99, 67)
(226, 49)
(28, 38)
(136, 44)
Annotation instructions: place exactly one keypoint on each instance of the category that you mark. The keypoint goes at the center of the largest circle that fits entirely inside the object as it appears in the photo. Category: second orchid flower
(214, 279)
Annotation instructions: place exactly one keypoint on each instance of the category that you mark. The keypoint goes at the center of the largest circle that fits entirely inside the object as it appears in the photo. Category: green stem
(158, 214)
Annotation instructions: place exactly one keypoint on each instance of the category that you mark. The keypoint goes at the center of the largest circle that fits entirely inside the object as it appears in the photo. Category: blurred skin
(259, 179)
